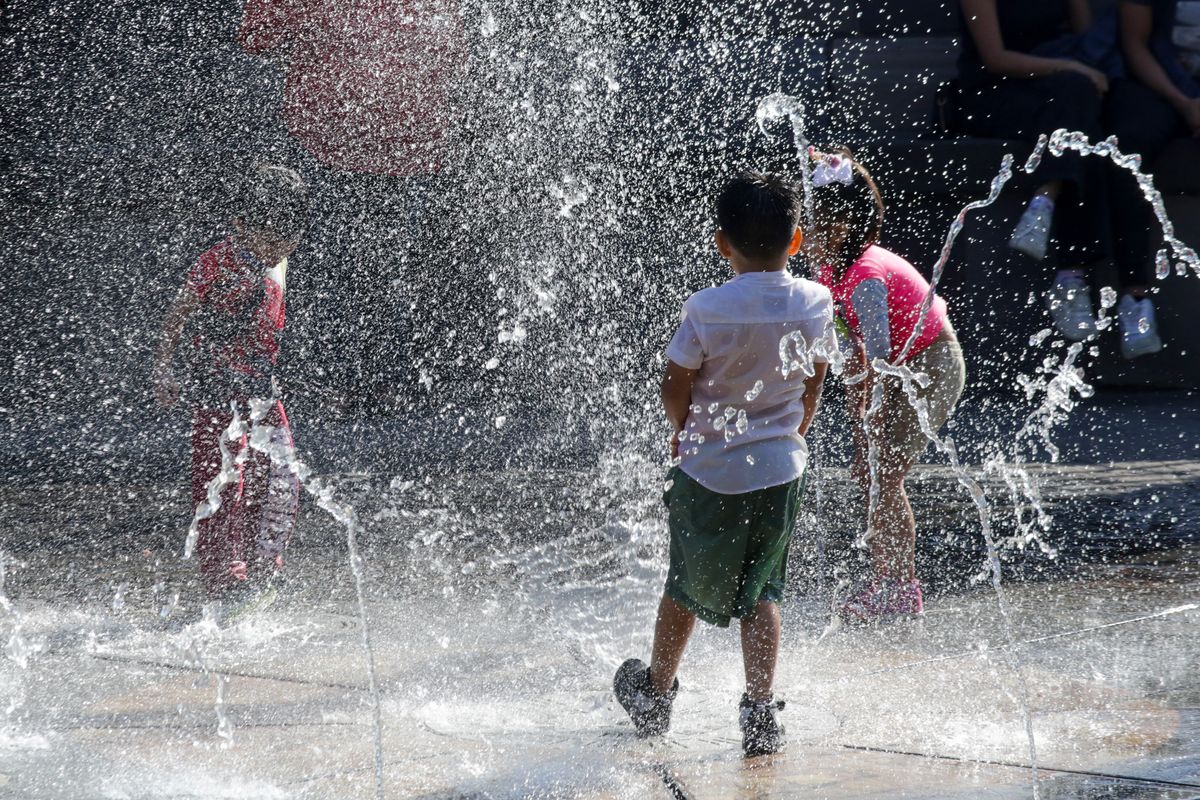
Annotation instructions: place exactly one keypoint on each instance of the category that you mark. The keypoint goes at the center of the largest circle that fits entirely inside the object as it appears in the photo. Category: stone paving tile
(495, 681)
(524, 716)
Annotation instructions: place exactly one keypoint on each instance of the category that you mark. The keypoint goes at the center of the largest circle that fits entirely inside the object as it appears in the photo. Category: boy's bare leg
(672, 630)
(760, 649)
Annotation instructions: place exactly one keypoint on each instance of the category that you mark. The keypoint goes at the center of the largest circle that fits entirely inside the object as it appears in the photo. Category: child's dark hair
(858, 203)
(274, 198)
(759, 213)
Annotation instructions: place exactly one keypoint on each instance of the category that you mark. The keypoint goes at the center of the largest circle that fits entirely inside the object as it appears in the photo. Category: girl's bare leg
(893, 547)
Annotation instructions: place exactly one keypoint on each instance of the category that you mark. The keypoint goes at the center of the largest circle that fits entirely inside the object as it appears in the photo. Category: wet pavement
(485, 698)
(500, 603)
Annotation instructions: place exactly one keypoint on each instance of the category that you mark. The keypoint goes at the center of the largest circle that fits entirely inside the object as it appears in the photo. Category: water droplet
(1162, 264)
(754, 392)
(489, 26)
(517, 335)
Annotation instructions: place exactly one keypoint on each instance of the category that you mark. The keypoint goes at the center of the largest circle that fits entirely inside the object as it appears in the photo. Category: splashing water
(1162, 264)
(939, 268)
(225, 726)
(570, 193)
(282, 453)
(1063, 379)
(225, 476)
(1063, 140)
(263, 438)
(794, 355)
(1066, 378)
(776, 107)
(556, 194)
(17, 648)
(910, 381)
(192, 646)
(488, 27)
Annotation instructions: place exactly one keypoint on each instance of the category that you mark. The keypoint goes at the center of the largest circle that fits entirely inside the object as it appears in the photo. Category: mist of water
(578, 220)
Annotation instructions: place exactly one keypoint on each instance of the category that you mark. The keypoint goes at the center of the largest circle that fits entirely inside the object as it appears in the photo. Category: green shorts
(728, 551)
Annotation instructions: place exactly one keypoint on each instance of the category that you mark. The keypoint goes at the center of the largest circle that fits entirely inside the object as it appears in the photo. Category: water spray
(282, 453)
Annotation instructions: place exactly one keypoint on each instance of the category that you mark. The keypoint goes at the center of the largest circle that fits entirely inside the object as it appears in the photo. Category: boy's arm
(676, 394)
(166, 388)
(812, 395)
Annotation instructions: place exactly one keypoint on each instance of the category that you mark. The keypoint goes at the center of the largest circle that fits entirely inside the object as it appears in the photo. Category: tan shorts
(896, 429)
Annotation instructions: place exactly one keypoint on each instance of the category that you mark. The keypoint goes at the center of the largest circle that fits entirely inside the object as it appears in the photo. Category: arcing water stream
(283, 454)
(1057, 391)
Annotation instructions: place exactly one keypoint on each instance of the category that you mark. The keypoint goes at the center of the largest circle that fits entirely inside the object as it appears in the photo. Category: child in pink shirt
(879, 296)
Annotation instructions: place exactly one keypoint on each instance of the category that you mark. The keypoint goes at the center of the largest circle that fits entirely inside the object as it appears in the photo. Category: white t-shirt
(754, 340)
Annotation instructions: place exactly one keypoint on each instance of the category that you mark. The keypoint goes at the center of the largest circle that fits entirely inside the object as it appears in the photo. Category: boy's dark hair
(759, 213)
(859, 204)
(274, 198)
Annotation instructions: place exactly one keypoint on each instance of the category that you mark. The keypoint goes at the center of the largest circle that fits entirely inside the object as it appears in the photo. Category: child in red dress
(229, 315)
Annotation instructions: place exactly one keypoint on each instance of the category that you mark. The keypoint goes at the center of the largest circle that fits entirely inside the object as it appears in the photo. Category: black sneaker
(649, 710)
(761, 732)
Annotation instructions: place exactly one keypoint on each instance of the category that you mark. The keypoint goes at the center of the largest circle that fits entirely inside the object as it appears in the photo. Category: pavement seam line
(672, 784)
(147, 662)
(1017, 765)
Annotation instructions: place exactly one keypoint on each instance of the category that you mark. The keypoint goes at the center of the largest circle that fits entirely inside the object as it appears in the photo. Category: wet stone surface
(501, 602)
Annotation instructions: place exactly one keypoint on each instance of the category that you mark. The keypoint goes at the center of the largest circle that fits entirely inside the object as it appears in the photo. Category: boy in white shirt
(744, 374)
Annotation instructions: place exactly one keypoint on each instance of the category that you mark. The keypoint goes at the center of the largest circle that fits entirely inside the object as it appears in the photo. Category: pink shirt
(906, 290)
